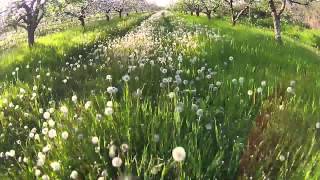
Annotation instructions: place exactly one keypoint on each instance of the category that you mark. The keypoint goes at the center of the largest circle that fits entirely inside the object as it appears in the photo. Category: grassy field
(176, 97)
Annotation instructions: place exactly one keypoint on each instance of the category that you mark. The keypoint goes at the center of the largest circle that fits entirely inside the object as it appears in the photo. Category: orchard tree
(26, 14)
(277, 7)
(78, 9)
(198, 7)
(237, 8)
(210, 6)
(189, 5)
(105, 6)
(121, 6)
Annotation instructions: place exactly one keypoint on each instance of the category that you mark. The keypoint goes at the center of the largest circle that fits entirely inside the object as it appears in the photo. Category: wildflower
(65, 135)
(108, 111)
(52, 133)
(290, 90)
(250, 92)
(282, 158)
(318, 125)
(259, 90)
(171, 95)
(124, 147)
(87, 105)
(74, 98)
(46, 149)
(179, 154)
(37, 172)
(263, 83)
(200, 112)
(112, 151)
(112, 90)
(46, 115)
(45, 177)
(51, 123)
(74, 175)
(109, 104)
(64, 109)
(126, 78)
(95, 140)
(116, 162)
(55, 166)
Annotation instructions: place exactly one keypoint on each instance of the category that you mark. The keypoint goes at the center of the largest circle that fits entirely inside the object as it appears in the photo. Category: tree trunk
(31, 32)
(191, 13)
(120, 14)
(108, 17)
(277, 27)
(276, 21)
(209, 15)
(233, 20)
(81, 19)
(198, 13)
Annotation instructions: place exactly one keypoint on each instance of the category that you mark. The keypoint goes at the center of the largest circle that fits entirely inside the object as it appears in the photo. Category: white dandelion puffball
(108, 111)
(87, 105)
(126, 78)
(37, 172)
(52, 133)
(64, 109)
(109, 104)
(250, 92)
(116, 162)
(318, 125)
(65, 135)
(74, 98)
(171, 95)
(95, 140)
(74, 175)
(45, 177)
(282, 158)
(178, 154)
(55, 166)
(46, 115)
(290, 90)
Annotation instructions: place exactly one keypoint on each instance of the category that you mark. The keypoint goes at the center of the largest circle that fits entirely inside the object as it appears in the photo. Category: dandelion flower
(46, 115)
(52, 133)
(108, 111)
(318, 125)
(55, 166)
(65, 135)
(74, 175)
(179, 154)
(282, 158)
(87, 105)
(116, 162)
(95, 140)
(64, 109)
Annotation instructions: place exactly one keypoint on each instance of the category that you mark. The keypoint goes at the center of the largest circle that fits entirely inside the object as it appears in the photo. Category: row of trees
(28, 14)
(238, 8)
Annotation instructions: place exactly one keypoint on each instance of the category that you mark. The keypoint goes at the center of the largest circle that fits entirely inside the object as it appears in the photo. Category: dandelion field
(160, 96)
